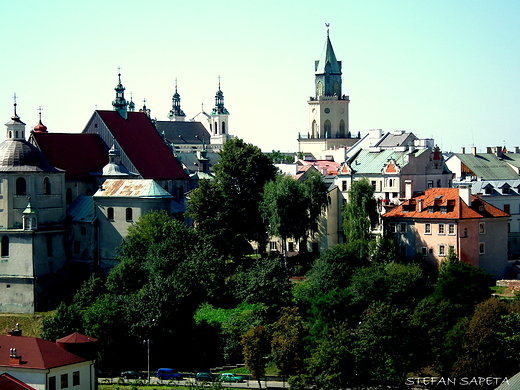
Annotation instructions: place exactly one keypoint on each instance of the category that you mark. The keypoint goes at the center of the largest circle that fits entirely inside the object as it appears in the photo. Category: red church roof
(35, 353)
(76, 338)
(143, 145)
(7, 382)
(77, 154)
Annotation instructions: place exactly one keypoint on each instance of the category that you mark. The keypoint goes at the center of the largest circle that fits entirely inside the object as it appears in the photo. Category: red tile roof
(77, 154)
(35, 353)
(447, 200)
(7, 382)
(76, 338)
(143, 145)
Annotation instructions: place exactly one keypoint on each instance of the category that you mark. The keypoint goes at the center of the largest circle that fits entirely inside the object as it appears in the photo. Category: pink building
(430, 224)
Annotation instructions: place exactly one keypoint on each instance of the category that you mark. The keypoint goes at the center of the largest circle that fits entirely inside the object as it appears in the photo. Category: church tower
(119, 103)
(219, 119)
(176, 113)
(328, 108)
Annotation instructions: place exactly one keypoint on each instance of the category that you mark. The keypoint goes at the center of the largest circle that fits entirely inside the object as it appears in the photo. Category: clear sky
(444, 69)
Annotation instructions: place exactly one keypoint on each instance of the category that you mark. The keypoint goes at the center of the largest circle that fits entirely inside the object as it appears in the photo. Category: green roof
(366, 162)
(82, 209)
(487, 166)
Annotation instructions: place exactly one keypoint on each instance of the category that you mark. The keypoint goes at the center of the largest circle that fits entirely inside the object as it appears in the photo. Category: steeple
(176, 114)
(131, 104)
(15, 127)
(119, 103)
(327, 71)
(219, 108)
(40, 127)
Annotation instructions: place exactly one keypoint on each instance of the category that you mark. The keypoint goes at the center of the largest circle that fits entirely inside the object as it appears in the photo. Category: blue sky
(446, 69)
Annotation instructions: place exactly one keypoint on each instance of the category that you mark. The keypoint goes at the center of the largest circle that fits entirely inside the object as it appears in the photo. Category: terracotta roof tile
(445, 203)
(7, 382)
(35, 353)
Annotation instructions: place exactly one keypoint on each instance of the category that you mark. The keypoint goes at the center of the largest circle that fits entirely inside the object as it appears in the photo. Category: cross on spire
(327, 25)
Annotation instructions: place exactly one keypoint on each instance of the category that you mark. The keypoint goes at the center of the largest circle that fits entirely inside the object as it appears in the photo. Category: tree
(288, 342)
(360, 215)
(227, 209)
(257, 345)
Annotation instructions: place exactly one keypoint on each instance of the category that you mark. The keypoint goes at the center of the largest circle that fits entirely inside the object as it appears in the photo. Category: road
(247, 384)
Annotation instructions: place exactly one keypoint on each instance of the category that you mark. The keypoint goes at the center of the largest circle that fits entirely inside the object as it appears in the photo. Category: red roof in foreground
(7, 382)
(35, 353)
(76, 338)
(77, 154)
(143, 145)
(445, 203)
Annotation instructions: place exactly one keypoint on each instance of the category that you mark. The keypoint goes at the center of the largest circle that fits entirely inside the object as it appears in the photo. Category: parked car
(133, 375)
(229, 377)
(204, 377)
(168, 373)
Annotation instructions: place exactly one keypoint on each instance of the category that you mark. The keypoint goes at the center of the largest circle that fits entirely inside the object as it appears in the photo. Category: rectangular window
(482, 228)
(52, 383)
(272, 245)
(291, 246)
(430, 183)
(402, 228)
(481, 248)
(442, 250)
(393, 227)
(427, 228)
(344, 185)
(110, 213)
(424, 251)
(451, 229)
(373, 183)
(451, 248)
(507, 209)
(441, 228)
(75, 378)
(64, 381)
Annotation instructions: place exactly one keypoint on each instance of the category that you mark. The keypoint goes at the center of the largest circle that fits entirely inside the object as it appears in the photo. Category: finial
(40, 113)
(219, 82)
(175, 84)
(327, 25)
(14, 98)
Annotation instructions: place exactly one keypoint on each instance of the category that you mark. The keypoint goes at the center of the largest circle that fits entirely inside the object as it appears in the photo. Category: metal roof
(487, 166)
(140, 188)
(367, 162)
(82, 209)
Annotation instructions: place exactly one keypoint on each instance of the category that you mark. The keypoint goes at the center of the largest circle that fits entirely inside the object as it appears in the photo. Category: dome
(20, 155)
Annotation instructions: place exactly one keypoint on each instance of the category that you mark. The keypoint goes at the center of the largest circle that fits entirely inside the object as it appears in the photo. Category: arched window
(110, 213)
(5, 246)
(336, 89)
(342, 129)
(314, 130)
(216, 128)
(129, 215)
(46, 186)
(327, 128)
(21, 186)
(223, 127)
(68, 196)
(319, 88)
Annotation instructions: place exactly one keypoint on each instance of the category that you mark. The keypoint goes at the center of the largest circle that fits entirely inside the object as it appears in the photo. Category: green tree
(360, 214)
(278, 157)
(257, 345)
(227, 209)
(288, 342)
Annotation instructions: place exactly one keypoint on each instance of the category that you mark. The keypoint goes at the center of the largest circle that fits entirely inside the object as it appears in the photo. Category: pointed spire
(176, 112)
(131, 105)
(328, 71)
(40, 127)
(15, 127)
(219, 108)
(119, 103)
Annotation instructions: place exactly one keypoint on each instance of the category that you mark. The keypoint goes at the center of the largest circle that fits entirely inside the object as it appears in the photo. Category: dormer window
(506, 190)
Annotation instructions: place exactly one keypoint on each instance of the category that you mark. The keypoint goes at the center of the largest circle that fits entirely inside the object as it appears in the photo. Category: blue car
(168, 373)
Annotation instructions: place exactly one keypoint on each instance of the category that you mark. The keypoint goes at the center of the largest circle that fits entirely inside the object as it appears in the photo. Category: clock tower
(328, 108)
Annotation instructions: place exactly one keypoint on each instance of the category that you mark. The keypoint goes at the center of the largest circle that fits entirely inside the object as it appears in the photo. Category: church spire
(119, 103)
(176, 113)
(40, 127)
(15, 127)
(219, 108)
(328, 71)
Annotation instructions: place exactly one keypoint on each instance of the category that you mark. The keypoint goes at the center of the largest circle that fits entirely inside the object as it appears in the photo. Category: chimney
(498, 151)
(420, 204)
(16, 331)
(517, 150)
(463, 150)
(13, 357)
(408, 189)
(474, 150)
(465, 194)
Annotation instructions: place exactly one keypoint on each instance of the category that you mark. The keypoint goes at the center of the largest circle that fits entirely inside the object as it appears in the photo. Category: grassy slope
(30, 324)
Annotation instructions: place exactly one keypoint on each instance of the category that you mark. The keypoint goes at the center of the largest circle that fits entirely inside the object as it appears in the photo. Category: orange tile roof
(445, 203)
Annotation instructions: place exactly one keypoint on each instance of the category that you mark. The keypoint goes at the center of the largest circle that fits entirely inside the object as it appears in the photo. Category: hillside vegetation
(30, 324)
